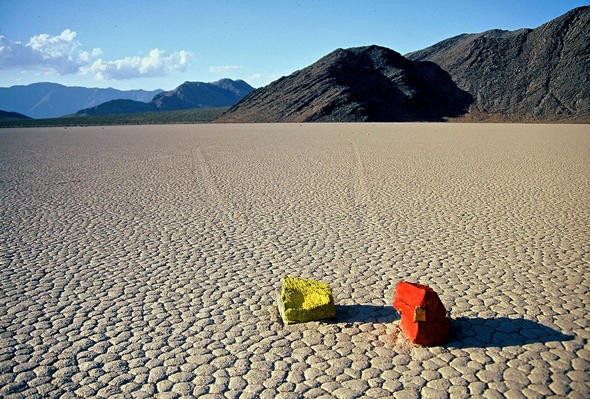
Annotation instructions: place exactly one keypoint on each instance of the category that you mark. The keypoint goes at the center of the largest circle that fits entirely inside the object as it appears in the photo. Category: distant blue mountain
(115, 107)
(222, 93)
(49, 100)
(189, 95)
(11, 116)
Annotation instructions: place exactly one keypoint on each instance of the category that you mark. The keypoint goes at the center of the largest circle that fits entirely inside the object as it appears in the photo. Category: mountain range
(540, 74)
(528, 74)
(189, 95)
(360, 84)
(12, 116)
(49, 100)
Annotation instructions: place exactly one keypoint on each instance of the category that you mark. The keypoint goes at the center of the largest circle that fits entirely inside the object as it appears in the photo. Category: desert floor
(145, 260)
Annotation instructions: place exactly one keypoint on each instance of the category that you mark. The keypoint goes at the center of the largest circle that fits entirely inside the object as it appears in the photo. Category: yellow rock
(304, 300)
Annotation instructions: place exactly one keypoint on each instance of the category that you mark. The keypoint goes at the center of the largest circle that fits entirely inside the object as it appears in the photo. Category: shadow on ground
(477, 332)
(365, 314)
(466, 332)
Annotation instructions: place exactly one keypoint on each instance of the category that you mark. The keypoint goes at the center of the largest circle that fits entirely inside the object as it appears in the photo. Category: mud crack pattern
(144, 261)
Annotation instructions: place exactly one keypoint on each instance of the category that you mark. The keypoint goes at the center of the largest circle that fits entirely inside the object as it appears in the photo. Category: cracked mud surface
(142, 261)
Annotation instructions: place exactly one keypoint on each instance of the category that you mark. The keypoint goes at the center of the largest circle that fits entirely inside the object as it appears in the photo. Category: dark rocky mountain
(49, 100)
(540, 74)
(355, 85)
(189, 95)
(114, 107)
(12, 116)
(529, 74)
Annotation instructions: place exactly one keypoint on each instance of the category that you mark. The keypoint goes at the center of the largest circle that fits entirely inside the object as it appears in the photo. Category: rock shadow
(391, 88)
(365, 314)
(477, 332)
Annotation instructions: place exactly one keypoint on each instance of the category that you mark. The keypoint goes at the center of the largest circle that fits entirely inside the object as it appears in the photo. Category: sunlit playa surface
(143, 260)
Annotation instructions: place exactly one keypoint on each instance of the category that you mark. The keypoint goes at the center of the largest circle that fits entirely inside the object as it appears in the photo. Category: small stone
(304, 300)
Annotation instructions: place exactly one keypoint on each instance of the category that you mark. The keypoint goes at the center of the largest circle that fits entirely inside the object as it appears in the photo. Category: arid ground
(144, 260)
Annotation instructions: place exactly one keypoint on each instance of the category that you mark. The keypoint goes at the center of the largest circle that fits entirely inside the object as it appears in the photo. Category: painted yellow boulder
(304, 300)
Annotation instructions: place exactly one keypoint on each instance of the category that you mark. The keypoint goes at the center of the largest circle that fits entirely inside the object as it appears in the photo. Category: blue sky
(130, 44)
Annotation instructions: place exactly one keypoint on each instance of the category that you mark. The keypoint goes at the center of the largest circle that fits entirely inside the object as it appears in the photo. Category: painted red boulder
(423, 316)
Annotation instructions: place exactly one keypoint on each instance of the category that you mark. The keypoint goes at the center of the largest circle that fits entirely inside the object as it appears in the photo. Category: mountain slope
(188, 95)
(528, 74)
(359, 84)
(240, 88)
(115, 107)
(12, 116)
(48, 100)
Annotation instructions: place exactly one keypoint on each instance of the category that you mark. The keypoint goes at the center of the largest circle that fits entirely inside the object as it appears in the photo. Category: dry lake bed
(144, 261)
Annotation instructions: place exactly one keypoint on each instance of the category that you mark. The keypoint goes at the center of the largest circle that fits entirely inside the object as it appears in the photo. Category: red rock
(424, 318)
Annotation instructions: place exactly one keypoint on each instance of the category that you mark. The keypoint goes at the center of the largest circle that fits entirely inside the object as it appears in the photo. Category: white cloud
(224, 69)
(157, 63)
(63, 54)
(59, 53)
(86, 56)
(54, 46)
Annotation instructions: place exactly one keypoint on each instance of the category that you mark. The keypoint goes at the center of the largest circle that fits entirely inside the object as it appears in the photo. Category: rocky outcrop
(537, 74)
(530, 74)
(356, 85)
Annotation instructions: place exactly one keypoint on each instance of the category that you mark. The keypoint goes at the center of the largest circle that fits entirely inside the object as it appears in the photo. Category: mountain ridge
(224, 92)
(189, 95)
(538, 74)
(361, 84)
(115, 107)
(12, 116)
(526, 74)
(47, 100)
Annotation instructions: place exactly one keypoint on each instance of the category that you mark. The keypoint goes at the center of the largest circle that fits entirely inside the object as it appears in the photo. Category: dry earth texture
(139, 261)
